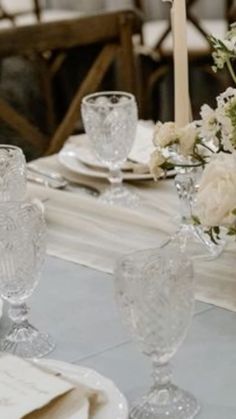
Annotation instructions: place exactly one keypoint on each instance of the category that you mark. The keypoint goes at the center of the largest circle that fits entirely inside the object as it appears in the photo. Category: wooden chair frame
(230, 14)
(230, 11)
(152, 72)
(36, 9)
(113, 30)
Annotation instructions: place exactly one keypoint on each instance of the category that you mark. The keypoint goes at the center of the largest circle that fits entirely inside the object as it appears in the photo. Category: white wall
(203, 8)
(83, 5)
(154, 8)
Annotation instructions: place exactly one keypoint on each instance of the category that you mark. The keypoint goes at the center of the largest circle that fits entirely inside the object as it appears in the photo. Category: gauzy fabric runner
(83, 230)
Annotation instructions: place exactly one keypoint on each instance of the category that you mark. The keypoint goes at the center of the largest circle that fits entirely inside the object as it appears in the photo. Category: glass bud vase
(191, 238)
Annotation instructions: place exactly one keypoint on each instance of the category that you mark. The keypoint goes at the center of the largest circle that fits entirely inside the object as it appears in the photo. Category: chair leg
(91, 82)
(127, 63)
(21, 125)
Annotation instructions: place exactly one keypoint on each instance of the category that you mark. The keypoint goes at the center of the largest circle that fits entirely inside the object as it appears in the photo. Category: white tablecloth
(83, 230)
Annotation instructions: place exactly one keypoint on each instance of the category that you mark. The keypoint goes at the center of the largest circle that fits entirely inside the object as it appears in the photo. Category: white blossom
(165, 134)
(155, 163)
(216, 197)
(227, 96)
(187, 139)
(209, 124)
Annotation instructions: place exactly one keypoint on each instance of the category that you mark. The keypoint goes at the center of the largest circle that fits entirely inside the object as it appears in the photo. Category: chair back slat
(47, 45)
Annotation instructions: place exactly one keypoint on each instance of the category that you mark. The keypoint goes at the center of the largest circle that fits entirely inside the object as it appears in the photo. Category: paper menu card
(25, 388)
(143, 144)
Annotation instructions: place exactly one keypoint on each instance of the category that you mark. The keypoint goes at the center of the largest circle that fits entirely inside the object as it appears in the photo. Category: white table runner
(85, 231)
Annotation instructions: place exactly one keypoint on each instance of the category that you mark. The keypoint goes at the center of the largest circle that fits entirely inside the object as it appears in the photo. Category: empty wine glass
(22, 244)
(155, 292)
(110, 120)
(12, 173)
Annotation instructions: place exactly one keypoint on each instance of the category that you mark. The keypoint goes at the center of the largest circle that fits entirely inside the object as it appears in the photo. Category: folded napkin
(79, 403)
(143, 144)
(31, 391)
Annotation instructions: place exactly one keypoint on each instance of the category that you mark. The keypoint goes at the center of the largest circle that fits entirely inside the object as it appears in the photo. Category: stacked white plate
(78, 157)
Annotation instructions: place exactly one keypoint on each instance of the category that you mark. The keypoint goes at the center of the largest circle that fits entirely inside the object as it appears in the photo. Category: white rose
(216, 198)
(156, 160)
(164, 134)
(187, 139)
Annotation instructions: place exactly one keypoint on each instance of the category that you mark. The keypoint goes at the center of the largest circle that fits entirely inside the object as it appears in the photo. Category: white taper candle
(180, 53)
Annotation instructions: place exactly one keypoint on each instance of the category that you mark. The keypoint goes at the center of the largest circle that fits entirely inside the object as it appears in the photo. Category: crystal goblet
(110, 120)
(12, 173)
(22, 244)
(155, 292)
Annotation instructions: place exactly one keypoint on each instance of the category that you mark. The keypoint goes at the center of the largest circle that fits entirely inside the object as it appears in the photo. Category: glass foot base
(171, 403)
(195, 243)
(25, 341)
(120, 195)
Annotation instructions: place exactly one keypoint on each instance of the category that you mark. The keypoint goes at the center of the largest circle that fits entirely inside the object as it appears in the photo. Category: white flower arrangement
(216, 197)
(211, 143)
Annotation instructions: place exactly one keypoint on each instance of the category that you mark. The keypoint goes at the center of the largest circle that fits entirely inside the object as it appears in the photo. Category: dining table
(76, 305)
(75, 300)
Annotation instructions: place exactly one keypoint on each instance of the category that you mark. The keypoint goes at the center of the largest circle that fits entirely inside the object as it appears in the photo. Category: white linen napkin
(31, 391)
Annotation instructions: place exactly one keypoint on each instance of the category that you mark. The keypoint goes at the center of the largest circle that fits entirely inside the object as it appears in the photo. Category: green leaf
(216, 230)
(210, 232)
(196, 220)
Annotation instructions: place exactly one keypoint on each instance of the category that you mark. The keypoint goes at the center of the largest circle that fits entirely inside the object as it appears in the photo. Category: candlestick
(180, 53)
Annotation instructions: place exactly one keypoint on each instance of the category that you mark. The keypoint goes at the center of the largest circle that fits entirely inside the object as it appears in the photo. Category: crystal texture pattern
(12, 174)
(22, 244)
(110, 120)
(155, 291)
(192, 238)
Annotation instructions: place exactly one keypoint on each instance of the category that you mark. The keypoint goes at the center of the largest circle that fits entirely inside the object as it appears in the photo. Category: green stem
(208, 148)
(231, 70)
(188, 165)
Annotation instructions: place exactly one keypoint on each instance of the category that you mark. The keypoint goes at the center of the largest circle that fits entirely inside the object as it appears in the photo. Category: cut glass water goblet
(155, 292)
(110, 120)
(22, 244)
(12, 173)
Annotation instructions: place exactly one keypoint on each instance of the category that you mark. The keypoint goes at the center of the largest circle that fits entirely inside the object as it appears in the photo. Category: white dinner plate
(68, 157)
(116, 406)
(85, 155)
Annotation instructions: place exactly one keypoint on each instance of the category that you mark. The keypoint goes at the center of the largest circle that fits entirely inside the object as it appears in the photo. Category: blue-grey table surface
(76, 306)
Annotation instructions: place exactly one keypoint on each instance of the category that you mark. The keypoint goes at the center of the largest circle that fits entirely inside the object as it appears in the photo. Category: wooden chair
(230, 11)
(47, 44)
(12, 14)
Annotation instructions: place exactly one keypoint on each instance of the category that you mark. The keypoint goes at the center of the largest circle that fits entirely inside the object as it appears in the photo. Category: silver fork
(55, 180)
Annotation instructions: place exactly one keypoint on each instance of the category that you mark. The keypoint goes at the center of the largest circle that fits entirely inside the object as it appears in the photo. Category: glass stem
(162, 377)
(115, 176)
(185, 188)
(18, 313)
